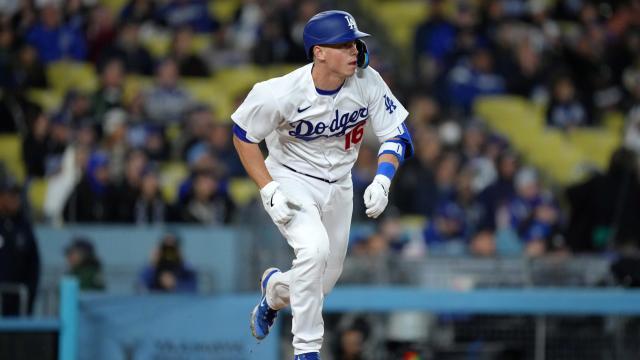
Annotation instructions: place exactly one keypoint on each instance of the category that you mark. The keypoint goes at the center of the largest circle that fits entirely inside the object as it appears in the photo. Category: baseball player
(313, 121)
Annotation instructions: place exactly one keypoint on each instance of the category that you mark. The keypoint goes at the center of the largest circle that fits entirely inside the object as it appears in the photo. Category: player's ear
(317, 52)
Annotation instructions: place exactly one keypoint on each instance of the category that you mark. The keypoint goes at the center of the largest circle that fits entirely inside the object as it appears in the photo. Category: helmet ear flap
(363, 54)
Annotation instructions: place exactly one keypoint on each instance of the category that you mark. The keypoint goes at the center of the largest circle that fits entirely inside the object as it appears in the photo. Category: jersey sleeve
(386, 112)
(258, 115)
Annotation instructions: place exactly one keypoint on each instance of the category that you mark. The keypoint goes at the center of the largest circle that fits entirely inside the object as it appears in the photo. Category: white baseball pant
(319, 236)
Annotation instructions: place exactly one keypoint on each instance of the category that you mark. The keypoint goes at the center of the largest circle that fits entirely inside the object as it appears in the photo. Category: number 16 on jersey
(355, 136)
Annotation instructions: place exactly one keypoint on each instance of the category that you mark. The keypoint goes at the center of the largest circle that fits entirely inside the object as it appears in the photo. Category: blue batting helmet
(330, 27)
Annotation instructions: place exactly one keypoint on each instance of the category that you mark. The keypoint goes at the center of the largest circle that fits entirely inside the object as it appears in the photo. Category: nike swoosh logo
(305, 109)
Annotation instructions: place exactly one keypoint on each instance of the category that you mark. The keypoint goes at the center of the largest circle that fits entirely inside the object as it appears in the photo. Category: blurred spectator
(207, 202)
(168, 270)
(36, 145)
(199, 159)
(27, 70)
(424, 110)
(294, 25)
(128, 49)
(92, 199)
(166, 102)
(129, 186)
(446, 233)
(58, 138)
(61, 184)
(101, 32)
(75, 109)
(604, 209)
(192, 13)
(76, 14)
(351, 344)
(181, 50)
(84, 265)
(150, 207)
(390, 227)
(632, 85)
(155, 144)
(473, 141)
(565, 111)
(500, 191)
(111, 91)
(473, 78)
(54, 39)
(7, 47)
(25, 17)
(199, 122)
(527, 78)
(19, 258)
(434, 40)
(271, 46)
(414, 189)
(13, 109)
(138, 121)
(222, 147)
(138, 11)
(114, 129)
(245, 28)
(446, 172)
(466, 198)
(534, 215)
(85, 134)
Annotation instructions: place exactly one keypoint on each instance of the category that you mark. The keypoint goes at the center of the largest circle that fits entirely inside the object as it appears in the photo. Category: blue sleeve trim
(241, 134)
(400, 153)
(405, 137)
(387, 169)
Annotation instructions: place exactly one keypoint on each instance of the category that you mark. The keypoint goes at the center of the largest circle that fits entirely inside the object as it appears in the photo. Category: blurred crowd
(103, 153)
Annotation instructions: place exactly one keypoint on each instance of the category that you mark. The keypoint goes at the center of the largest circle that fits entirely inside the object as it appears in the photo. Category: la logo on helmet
(350, 23)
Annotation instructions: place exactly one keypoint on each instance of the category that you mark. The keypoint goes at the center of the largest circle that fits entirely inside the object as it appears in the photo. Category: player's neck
(324, 79)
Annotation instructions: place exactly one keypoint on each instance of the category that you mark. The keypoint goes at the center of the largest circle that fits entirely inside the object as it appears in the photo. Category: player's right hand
(279, 206)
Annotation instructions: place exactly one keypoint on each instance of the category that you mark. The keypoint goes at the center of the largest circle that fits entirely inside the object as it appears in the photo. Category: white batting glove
(376, 196)
(278, 205)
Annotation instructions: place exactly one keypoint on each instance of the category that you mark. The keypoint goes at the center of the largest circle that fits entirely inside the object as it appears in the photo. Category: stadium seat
(413, 222)
(239, 79)
(50, 100)
(596, 143)
(171, 175)
(550, 150)
(242, 190)
(156, 43)
(212, 93)
(159, 44)
(37, 193)
(115, 6)
(225, 10)
(11, 155)
(614, 122)
(400, 19)
(65, 75)
(134, 84)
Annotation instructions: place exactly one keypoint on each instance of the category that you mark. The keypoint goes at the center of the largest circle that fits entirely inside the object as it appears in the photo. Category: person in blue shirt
(54, 39)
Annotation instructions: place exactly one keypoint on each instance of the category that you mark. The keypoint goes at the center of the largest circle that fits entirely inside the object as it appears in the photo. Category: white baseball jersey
(317, 134)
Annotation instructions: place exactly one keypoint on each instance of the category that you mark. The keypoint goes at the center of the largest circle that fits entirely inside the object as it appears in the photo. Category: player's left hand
(376, 196)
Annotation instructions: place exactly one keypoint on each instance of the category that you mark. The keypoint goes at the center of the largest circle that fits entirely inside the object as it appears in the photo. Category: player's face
(341, 58)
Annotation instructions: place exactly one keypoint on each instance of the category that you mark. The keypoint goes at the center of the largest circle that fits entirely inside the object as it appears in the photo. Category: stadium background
(115, 142)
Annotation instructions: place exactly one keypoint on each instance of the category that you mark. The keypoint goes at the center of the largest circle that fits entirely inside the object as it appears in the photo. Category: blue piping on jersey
(241, 134)
(329, 92)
